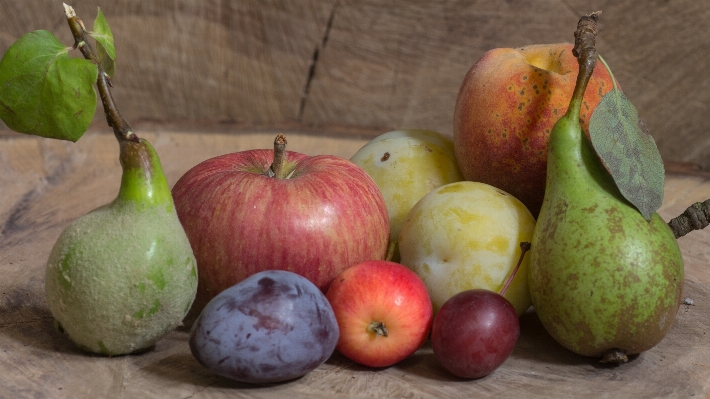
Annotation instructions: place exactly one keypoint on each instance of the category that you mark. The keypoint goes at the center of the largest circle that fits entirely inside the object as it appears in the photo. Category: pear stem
(696, 217)
(277, 169)
(586, 53)
(120, 127)
(614, 355)
(524, 247)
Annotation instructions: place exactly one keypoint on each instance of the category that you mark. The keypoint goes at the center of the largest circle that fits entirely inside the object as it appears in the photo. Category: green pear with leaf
(123, 275)
(606, 273)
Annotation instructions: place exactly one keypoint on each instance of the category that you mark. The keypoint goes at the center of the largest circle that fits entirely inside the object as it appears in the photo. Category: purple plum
(271, 327)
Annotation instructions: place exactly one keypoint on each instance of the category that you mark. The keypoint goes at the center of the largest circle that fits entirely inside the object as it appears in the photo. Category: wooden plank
(376, 64)
(46, 184)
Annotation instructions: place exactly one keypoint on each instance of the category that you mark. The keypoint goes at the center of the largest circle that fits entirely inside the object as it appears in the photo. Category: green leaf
(628, 151)
(45, 92)
(104, 44)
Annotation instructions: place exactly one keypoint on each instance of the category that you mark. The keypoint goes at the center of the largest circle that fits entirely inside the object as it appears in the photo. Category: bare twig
(696, 217)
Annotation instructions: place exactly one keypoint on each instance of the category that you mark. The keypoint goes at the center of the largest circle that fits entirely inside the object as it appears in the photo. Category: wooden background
(369, 66)
(202, 78)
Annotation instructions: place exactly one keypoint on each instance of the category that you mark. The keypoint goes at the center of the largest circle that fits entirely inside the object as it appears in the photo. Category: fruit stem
(120, 127)
(696, 217)
(391, 248)
(586, 53)
(277, 169)
(378, 328)
(524, 247)
(614, 355)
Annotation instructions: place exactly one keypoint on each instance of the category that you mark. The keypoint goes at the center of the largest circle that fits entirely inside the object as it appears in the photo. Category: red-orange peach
(507, 105)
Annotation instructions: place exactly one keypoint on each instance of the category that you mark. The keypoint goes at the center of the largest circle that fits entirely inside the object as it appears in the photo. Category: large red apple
(313, 216)
(383, 310)
(506, 107)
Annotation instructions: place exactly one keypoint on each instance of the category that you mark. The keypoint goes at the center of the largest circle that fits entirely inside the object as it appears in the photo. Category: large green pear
(604, 281)
(123, 275)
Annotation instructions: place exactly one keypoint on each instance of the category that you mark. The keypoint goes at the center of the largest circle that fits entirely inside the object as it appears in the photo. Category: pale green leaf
(104, 44)
(628, 151)
(45, 92)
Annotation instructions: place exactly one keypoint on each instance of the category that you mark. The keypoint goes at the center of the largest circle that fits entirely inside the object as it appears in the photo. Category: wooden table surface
(46, 184)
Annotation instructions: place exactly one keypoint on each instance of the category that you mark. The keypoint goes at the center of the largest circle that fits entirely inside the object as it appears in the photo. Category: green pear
(123, 275)
(604, 281)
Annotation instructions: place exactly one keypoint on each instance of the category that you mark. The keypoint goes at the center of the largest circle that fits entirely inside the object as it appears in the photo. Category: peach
(507, 105)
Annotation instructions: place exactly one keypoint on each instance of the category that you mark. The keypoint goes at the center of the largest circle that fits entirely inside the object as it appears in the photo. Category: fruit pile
(284, 258)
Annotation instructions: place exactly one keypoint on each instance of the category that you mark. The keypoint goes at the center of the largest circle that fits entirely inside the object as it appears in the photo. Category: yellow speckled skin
(467, 235)
(406, 165)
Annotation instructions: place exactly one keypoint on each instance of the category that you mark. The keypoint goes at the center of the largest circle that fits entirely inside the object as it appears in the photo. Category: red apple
(383, 310)
(314, 217)
(474, 332)
(506, 107)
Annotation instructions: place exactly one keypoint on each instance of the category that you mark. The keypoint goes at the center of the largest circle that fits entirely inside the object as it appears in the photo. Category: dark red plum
(474, 332)
(273, 326)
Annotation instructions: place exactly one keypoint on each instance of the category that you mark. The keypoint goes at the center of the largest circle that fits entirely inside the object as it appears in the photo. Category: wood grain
(336, 65)
(45, 184)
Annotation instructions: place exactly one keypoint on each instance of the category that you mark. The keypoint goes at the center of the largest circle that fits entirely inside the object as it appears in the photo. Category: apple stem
(378, 328)
(524, 247)
(696, 217)
(121, 129)
(277, 167)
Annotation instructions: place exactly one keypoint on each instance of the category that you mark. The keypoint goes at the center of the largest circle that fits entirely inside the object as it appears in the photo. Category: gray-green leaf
(628, 151)
(104, 44)
(45, 92)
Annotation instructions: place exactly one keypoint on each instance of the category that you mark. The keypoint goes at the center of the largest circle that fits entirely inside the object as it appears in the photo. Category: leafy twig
(120, 127)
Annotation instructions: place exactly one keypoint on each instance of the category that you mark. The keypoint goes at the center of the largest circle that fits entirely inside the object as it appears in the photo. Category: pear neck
(583, 76)
(574, 163)
(568, 148)
(143, 181)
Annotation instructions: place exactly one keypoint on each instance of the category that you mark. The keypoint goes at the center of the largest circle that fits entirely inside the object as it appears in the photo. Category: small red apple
(313, 216)
(506, 107)
(383, 310)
